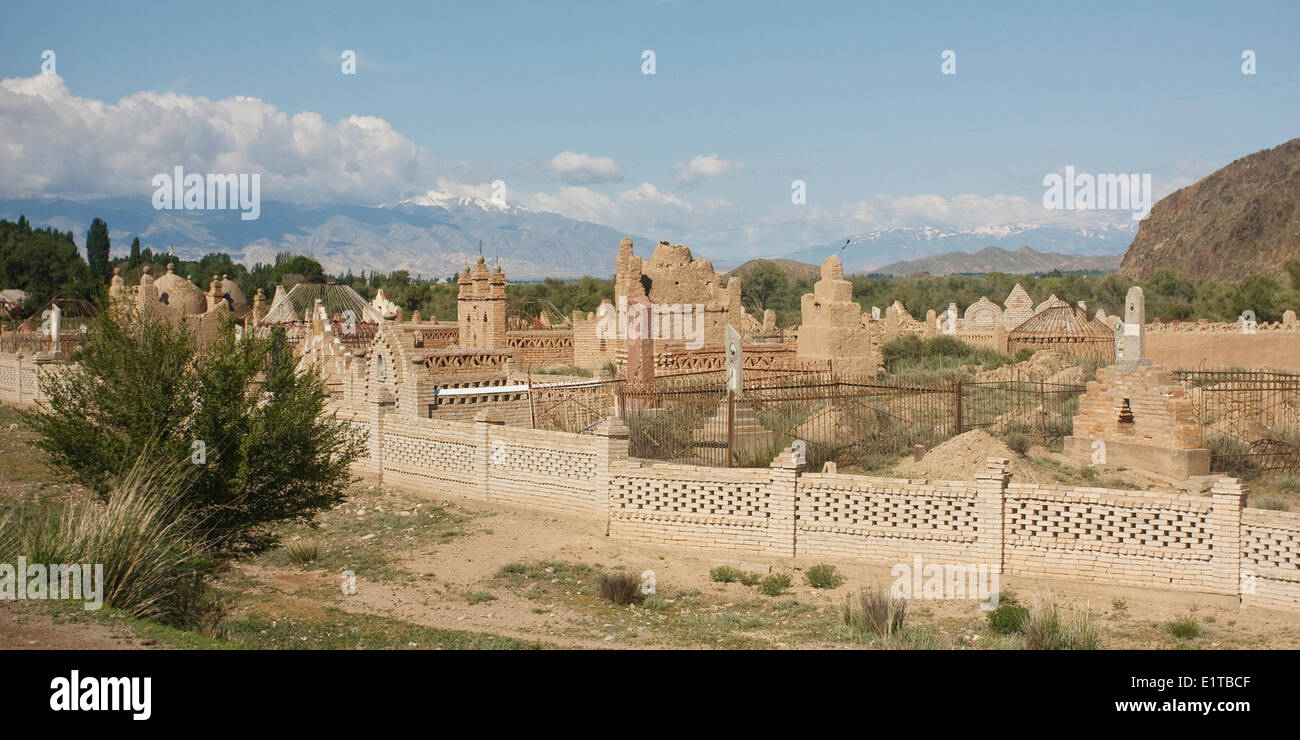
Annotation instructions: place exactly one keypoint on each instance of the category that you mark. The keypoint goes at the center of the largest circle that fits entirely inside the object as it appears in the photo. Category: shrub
(1045, 629)
(774, 585)
(824, 576)
(1008, 619)
(480, 597)
(302, 553)
(1019, 442)
(725, 574)
(1289, 483)
(142, 388)
(1183, 628)
(874, 612)
(751, 579)
(620, 588)
(152, 568)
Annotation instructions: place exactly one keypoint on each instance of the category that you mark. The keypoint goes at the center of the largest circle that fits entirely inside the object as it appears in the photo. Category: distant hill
(1242, 220)
(431, 237)
(793, 269)
(994, 259)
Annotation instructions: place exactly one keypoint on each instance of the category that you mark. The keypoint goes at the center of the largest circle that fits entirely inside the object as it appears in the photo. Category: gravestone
(735, 362)
(1134, 339)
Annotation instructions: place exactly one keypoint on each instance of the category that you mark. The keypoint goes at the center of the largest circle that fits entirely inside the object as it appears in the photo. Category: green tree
(135, 252)
(97, 248)
(761, 284)
(263, 449)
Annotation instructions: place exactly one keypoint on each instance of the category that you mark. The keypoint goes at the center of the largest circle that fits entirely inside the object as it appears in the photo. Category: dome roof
(1056, 318)
(182, 295)
(238, 303)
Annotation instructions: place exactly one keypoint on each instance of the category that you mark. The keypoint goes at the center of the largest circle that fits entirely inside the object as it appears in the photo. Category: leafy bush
(874, 612)
(262, 450)
(1019, 442)
(725, 574)
(774, 585)
(824, 576)
(1008, 619)
(751, 579)
(620, 588)
(1046, 629)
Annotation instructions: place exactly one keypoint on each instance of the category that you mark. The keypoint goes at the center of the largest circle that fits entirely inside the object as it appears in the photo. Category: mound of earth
(965, 456)
(1042, 366)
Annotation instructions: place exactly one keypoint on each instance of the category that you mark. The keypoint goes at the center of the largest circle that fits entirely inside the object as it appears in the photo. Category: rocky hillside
(1022, 261)
(1242, 220)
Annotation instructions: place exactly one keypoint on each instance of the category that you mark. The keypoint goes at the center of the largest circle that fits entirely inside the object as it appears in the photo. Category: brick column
(611, 451)
(485, 424)
(1228, 497)
(376, 441)
(781, 494)
(990, 511)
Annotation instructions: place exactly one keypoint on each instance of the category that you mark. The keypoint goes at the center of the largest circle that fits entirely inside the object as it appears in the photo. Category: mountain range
(432, 237)
(1022, 261)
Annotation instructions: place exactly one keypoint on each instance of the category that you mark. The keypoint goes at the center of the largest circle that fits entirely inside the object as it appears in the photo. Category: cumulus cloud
(701, 167)
(59, 144)
(583, 169)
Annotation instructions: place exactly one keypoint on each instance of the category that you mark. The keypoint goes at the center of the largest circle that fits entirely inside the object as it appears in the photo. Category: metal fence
(851, 423)
(1249, 419)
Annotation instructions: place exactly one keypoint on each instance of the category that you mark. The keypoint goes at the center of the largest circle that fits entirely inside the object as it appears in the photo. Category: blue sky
(845, 96)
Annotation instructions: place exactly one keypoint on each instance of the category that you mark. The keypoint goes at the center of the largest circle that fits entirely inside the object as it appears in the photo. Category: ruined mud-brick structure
(1134, 415)
(690, 309)
(834, 328)
(178, 300)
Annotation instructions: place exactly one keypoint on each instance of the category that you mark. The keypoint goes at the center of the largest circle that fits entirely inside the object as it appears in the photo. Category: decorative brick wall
(19, 379)
(1270, 558)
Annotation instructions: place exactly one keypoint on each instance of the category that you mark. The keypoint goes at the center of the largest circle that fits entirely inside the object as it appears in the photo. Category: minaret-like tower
(481, 307)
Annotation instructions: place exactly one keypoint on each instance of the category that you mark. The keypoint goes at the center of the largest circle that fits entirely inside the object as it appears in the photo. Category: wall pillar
(781, 494)
(376, 441)
(487, 448)
(611, 451)
(990, 512)
(1228, 497)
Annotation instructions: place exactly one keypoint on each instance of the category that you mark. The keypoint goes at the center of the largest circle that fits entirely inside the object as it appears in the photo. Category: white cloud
(59, 144)
(583, 169)
(701, 167)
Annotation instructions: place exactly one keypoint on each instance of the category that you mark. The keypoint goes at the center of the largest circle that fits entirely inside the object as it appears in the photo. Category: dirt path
(29, 626)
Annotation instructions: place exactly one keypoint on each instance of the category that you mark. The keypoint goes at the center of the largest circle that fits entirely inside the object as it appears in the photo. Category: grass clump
(1046, 629)
(774, 585)
(1183, 628)
(1008, 619)
(301, 553)
(1273, 503)
(824, 576)
(725, 574)
(874, 612)
(751, 579)
(153, 567)
(620, 588)
(480, 597)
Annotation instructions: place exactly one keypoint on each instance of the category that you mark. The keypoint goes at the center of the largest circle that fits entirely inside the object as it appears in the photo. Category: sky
(551, 98)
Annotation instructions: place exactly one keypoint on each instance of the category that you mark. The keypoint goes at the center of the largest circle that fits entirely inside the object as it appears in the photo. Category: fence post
(959, 419)
(485, 422)
(731, 426)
